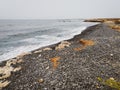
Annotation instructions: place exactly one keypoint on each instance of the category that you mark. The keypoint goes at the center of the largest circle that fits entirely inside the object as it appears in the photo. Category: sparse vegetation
(111, 82)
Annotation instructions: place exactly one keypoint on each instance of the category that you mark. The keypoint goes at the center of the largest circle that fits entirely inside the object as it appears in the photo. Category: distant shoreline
(113, 23)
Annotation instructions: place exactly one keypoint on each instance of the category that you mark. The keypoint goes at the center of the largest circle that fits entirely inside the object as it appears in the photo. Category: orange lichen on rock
(85, 43)
(79, 48)
(55, 61)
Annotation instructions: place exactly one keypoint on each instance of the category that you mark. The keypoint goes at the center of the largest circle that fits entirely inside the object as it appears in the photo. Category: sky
(59, 9)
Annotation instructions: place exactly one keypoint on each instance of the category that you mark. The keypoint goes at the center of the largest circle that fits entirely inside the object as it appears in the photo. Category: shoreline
(29, 51)
(71, 64)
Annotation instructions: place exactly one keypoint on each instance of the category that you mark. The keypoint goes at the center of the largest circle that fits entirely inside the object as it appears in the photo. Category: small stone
(74, 85)
(47, 67)
(45, 89)
(111, 54)
(112, 78)
(38, 51)
(20, 61)
(41, 80)
(39, 55)
(17, 69)
(47, 49)
(97, 86)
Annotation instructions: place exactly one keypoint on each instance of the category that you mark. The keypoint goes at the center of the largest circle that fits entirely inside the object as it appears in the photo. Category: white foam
(17, 51)
(30, 40)
(41, 41)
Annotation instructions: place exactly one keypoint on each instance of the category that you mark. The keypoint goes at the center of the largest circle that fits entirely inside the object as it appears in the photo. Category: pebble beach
(85, 62)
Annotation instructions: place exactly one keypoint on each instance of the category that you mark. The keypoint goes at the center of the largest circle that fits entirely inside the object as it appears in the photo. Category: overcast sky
(57, 9)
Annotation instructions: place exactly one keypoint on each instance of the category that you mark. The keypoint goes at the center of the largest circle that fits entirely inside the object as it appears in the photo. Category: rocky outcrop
(113, 23)
(6, 71)
(62, 45)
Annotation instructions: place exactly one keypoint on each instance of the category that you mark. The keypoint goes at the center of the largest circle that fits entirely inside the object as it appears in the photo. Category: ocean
(18, 36)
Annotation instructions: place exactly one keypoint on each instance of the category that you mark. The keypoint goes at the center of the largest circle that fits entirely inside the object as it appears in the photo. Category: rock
(19, 61)
(41, 80)
(62, 45)
(5, 71)
(10, 62)
(39, 55)
(38, 51)
(3, 84)
(13, 61)
(111, 78)
(111, 54)
(47, 49)
(47, 67)
(17, 69)
(84, 43)
(45, 89)
(87, 42)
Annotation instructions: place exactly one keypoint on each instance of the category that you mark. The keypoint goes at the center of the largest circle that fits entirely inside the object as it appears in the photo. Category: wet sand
(75, 64)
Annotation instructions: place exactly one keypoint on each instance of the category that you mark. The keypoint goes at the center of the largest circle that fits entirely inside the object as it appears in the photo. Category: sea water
(19, 36)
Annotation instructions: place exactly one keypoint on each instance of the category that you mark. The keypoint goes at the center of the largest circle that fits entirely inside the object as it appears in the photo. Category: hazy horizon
(62, 9)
